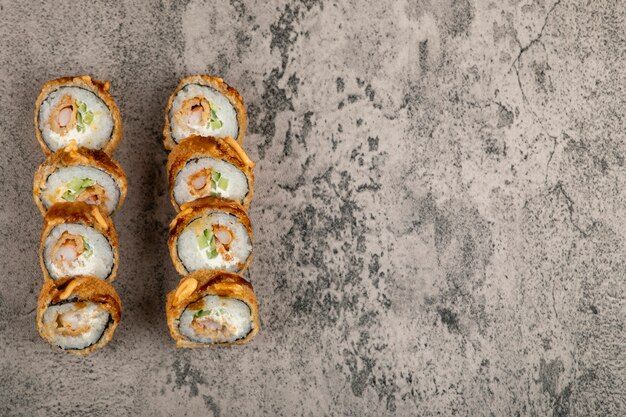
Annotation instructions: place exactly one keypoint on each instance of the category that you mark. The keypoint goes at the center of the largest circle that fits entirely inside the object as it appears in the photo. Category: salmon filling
(63, 117)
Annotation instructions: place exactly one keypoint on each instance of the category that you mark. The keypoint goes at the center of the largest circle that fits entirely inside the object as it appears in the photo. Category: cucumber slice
(75, 184)
(201, 313)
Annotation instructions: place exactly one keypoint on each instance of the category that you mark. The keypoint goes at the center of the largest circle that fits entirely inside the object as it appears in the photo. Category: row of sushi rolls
(79, 186)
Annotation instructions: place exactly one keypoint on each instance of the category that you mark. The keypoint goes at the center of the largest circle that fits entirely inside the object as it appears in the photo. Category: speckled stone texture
(439, 211)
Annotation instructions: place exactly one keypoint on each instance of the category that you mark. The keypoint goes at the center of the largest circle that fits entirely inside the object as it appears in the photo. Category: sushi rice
(215, 319)
(195, 257)
(94, 135)
(237, 183)
(60, 181)
(97, 260)
(75, 324)
(223, 108)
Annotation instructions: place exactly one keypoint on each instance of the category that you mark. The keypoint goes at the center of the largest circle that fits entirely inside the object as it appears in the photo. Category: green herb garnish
(83, 117)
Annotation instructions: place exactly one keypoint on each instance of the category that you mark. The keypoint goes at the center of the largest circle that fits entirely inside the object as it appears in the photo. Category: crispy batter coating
(79, 212)
(73, 156)
(221, 283)
(83, 288)
(218, 84)
(199, 146)
(99, 88)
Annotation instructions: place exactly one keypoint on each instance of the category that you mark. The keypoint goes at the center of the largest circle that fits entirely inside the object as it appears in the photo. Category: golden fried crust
(198, 147)
(199, 208)
(79, 212)
(221, 283)
(72, 156)
(85, 288)
(99, 88)
(218, 84)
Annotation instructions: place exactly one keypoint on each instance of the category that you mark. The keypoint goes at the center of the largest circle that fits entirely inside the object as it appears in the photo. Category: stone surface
(439, 210)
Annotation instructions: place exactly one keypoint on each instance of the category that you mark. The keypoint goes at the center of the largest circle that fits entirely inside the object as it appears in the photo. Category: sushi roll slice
(206, 106)
(79, 314)
(78, 239)
(77, 109)
(211, 233)
(212, 308)
(206, 166)
(80, 174)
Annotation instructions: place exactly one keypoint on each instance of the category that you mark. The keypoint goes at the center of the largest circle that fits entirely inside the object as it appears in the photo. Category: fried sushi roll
(206, 166)
(211, 233)
(79, 109)
(205, 106)
(78, 239)
(212, 308)
(80, 174)
(79, 314)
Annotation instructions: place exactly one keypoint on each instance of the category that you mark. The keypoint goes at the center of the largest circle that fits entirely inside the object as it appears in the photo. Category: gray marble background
(439, 210)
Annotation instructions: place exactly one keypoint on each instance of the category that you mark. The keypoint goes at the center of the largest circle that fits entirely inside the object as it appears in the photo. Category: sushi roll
(78, 239)
(211, 233)
(79, 314)
(212, 308)
(77, 109)
(80, 174)
(206, 166)
(206, 106)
